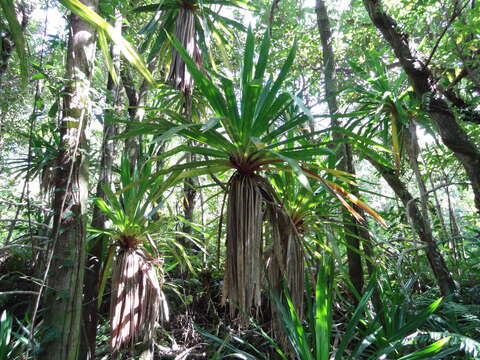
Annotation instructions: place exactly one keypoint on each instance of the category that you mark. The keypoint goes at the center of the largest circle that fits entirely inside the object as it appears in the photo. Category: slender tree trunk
(190, 185)
(453, 136)
(189, 199)
(93, 269)
(413, 150)
(3, 115)
(435, 258)
(437, 205)
(65, 282)
(352, 234)
(136, 113)
(455, 232)
(136, 101)
(357, 231)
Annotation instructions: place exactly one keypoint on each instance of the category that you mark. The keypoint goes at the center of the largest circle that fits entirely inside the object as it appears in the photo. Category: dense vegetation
(208, 179)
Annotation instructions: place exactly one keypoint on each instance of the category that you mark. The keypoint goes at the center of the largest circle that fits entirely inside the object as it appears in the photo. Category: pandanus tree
(137, 301)
(248, 136)
(286, 260)
(286, 254)
(300, 217)
(194, 23)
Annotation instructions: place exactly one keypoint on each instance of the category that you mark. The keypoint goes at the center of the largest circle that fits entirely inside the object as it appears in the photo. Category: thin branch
(274, 7)
(455, 14)
(12, 203)
(18, 292)
(22, 220)
(7, 247)
(438, 187)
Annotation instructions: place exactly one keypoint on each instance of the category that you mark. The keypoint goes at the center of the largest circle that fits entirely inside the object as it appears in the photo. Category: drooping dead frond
(285, 265)
(242, 284)
(179, 77)
(47, 179)
(137, 300)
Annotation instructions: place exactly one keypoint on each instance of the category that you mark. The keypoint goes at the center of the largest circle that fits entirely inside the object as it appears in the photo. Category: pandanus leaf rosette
(249, 136)
(137, 301)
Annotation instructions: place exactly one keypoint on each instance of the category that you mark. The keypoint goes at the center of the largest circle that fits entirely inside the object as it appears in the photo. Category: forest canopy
(210, 179)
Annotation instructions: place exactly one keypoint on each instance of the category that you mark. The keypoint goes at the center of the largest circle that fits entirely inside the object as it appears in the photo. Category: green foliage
(44, 146)
(312, 339)
(255, 109)
(5, 335)
(8, 7)
(132, 207)
(247, 141)
(104, 29)
(14, 338)
(209, 25)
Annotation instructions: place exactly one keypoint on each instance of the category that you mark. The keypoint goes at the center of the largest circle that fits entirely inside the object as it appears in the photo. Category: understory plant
(137, 300)
(361, 337)
(250, 135)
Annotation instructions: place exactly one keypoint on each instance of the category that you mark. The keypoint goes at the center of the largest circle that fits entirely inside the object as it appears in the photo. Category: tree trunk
(6, 48)
(437, 205)
(437, 263)
(352, 235)
(136, 112)
(190, 185)
(189, 199)
(412, 151)
(93, 269)
(65, 281)
(453, 136)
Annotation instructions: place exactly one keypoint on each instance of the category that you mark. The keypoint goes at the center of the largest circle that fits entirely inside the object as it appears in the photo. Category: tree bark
(423, 81)
(437, 263)
(136, 112)
(352, 234)
(93, 268)
(65, 281)
(412, 151)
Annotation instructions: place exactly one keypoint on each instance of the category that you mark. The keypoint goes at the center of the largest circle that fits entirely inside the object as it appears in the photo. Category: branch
(18, 292)
(27, 221)
(7, 247)
(439, 187)
(468, 114)
(423, 81)
(274, 7)
(455, 14)
(24, 204)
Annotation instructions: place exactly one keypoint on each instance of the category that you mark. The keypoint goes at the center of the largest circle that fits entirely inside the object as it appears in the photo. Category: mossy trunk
(63, 303)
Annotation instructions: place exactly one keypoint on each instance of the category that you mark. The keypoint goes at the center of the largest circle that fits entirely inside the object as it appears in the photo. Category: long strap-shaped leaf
(101, 25)
(205, 85)
(351, 326)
